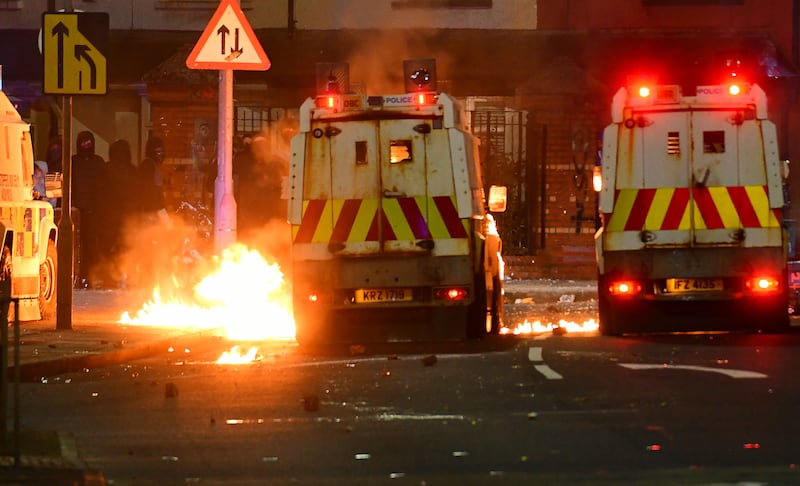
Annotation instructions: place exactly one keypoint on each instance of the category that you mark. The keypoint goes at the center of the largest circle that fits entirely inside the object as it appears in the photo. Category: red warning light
(425, 98)
(644, 91)
(734, 89)
(329, 102)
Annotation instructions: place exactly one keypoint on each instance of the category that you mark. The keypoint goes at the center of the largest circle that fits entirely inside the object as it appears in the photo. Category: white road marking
(548, 372)
(535, 356)
(387, 417)
(724, 371)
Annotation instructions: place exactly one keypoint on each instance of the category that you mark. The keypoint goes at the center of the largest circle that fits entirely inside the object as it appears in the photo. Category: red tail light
(451, 293)
(762, 284)
(624, 288)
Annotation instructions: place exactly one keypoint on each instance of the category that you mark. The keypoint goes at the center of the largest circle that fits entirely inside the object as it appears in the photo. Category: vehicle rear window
(400, 151)
(361, 152)
(714, 142)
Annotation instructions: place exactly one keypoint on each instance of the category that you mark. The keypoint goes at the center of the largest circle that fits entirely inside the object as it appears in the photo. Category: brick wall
(568, 126)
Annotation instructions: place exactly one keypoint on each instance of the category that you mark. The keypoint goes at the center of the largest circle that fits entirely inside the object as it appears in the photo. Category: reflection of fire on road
(565, 326)
(245, 297)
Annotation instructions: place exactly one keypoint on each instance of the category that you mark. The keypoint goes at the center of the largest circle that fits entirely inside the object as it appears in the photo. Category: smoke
(175, 256)
(171, 255)
(377, 66)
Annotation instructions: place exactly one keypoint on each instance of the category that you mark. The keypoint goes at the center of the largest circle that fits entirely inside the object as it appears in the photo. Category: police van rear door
(729, 177)
(666, 165)
(355, 218)
(404, 167)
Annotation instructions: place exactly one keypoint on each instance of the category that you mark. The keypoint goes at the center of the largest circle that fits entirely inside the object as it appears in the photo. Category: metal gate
(504, 159)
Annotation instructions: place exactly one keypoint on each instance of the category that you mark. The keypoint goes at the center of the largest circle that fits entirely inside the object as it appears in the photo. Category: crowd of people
(106, 197)
(111, 197)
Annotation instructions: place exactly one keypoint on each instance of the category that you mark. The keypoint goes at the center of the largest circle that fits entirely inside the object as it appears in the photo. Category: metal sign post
(224, 203)
(227, 43)
(65, 245)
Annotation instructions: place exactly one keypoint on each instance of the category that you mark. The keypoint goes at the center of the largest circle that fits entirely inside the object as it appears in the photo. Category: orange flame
(537, 327)
(236, 356)
(246, 298)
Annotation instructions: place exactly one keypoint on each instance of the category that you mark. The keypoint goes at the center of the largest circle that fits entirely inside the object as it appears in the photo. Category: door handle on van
(387, 193)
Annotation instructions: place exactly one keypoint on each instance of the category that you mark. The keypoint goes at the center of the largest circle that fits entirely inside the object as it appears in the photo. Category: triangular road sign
(228, 42)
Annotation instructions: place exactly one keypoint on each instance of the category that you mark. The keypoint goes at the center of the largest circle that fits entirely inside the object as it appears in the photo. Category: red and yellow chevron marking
(358, 220)
(671, 208)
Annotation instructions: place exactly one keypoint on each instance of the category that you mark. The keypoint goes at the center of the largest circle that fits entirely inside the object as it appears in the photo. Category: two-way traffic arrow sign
(228, 42)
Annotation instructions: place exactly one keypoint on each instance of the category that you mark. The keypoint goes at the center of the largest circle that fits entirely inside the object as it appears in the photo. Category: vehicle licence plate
(369, 296)
(679, 285)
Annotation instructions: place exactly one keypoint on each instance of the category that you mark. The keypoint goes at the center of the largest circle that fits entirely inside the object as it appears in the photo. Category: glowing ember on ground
(245, 298)
(535, 327)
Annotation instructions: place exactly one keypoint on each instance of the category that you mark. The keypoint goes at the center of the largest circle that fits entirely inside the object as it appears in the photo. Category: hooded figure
(122, 184)
(88, 193)
(88, 174)
(151, 182)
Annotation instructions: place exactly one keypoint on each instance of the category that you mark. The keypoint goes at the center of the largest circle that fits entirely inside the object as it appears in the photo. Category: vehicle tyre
(777, 321)
(497, 305)
(48, 277)
(479, 321)
(606, 325)
(308, 336)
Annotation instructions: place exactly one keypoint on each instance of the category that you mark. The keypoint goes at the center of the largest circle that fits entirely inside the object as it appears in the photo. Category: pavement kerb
(35, 371)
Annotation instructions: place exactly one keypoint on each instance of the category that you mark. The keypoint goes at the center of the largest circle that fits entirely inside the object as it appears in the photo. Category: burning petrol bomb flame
(245, 298)
(237, 356)
(537, 327)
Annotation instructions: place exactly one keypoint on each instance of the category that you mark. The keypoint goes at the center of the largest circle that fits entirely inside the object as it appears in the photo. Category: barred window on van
(714, 142)
(400, 151)
(673, 143)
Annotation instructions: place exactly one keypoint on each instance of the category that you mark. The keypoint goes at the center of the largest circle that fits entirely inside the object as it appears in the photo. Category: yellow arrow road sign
(73, 52)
